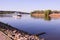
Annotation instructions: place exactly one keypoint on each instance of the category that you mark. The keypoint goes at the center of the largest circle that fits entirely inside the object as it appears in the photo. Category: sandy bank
(37, 15)
(54, 15)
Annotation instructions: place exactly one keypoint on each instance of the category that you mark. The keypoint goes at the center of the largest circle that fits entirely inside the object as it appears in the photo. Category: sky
(29, 5)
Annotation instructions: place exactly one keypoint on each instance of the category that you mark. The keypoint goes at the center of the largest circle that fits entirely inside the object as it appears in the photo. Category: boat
(17, 15)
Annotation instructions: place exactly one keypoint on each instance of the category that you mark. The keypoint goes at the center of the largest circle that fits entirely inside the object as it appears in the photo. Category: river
(34, 25)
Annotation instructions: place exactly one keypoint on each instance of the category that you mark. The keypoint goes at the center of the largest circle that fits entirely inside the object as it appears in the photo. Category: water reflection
(11, 15)
(48, 18)
(16, 17)
(5, 15)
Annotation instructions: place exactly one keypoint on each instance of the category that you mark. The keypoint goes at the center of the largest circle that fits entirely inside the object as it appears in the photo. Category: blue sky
(29, 5)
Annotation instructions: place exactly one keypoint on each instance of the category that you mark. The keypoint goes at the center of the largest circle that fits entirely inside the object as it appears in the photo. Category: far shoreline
(53, 15)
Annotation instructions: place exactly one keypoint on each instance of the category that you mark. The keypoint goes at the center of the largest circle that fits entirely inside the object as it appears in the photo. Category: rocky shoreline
(3, 36)
(16, 34)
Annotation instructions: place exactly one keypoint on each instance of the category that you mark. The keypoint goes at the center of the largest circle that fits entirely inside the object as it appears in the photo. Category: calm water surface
(35, 25)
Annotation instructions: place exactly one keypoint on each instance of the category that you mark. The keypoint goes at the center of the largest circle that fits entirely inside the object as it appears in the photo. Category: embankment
(3, 36)
(16, 34)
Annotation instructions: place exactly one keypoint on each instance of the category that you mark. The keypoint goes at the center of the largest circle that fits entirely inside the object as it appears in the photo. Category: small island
(46, 14)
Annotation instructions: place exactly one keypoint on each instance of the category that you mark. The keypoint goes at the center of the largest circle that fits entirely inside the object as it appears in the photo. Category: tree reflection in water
(48, 18)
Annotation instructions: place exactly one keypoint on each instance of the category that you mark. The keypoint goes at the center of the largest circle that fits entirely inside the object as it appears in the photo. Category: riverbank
(3, 36)
(53, 15)
(16, 34)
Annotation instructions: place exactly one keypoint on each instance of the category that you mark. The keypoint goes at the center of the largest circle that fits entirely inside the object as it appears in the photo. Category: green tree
(47, 12)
